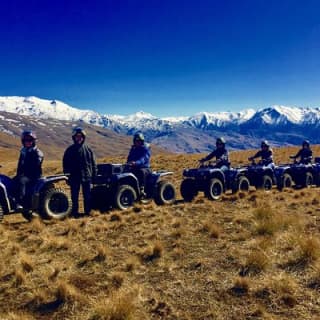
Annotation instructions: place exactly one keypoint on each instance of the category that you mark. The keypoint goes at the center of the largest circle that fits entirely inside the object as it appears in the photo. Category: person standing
(29, 169)
(79, 162)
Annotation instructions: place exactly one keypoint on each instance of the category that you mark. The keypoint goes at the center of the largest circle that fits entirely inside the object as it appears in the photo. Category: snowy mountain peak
(278, 114)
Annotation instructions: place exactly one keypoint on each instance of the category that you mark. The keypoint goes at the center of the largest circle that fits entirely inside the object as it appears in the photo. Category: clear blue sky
(166, 57)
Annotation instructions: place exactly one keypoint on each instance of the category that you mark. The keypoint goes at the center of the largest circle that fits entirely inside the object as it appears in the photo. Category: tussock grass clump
(240, 287)
(256, 262)
(152, 253)
(54, 274)
(15, 248)
(314, 281)
(26, 262)
(56, 244)
(66, 293)
(117, 279)
(120, 305)
(37, 225)
(284, 289)
(50, 300)
(99, 257)
(212, 229)
(131, 264)
(19, 277)
(268, 222)
(176, 223)
(101, 254)
(307, 251)
(178, 233)
(115, 217)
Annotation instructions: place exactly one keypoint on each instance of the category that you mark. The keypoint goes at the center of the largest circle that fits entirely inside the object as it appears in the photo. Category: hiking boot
(19, 207)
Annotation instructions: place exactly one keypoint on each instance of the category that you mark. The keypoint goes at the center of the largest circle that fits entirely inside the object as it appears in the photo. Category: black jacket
(222, 157)
(305, 155)
(30, 162)
(79, 162)
(266, 156)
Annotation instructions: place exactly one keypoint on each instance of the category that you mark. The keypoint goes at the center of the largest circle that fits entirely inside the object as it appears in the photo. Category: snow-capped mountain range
(280, 124)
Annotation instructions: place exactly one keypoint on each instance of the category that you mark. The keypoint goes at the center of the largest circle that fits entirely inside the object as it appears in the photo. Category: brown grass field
(251, 255)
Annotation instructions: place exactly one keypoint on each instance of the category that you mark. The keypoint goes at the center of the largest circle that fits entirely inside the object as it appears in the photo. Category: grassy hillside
(248, 256)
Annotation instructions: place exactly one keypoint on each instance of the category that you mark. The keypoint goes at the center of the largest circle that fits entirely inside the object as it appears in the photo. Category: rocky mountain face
(281, 125)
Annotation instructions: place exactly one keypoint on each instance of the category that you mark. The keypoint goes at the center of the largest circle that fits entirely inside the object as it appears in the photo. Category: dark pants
(86, 192)
(141, 175)
(24, 189)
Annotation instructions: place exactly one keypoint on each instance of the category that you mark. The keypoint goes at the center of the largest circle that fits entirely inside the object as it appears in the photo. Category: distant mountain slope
(55, 135)
(282, 125)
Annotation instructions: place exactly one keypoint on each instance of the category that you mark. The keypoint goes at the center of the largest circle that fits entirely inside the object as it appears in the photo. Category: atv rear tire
(266, 184)
(242, 184)
(188, 190)
(308, 180)
(214, 189)
(1, 213)
(125, 197)
(165, 193)
(55, 204)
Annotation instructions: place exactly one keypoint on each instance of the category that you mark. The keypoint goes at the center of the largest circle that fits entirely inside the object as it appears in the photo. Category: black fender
(219, 174)
(127, 178)
(45, 181)
(280, 171)
(43, 184)
(156, 176)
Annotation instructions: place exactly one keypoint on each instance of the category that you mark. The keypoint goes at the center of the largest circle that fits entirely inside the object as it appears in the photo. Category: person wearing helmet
(138, 159)
(79, 162)
(29, 168)
(220, 153)
(305, 153)
(266, 154)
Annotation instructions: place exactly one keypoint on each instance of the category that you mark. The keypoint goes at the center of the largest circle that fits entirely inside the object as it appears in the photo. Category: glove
(131, 164)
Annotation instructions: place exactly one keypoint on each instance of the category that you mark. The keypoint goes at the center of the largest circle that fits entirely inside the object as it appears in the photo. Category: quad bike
(212, 181)
(45, 199)
(260, 175)
(298, 175)
(116, 187)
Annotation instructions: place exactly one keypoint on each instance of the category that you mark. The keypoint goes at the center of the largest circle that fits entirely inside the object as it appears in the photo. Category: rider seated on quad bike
(266, 155)
(221, 154)
(305, 153)
(138, 160)
(29, 169)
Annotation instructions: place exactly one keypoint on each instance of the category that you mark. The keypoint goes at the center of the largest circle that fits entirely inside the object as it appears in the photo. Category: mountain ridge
(282, 125)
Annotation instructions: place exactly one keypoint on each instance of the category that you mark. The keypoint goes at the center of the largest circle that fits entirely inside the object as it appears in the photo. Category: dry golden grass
(254, 256)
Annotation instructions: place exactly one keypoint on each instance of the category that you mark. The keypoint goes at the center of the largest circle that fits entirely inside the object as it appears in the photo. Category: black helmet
(265, 143)
(306, 143)
(78, 130)
(220, 140)
(28, 134)
(138, 137)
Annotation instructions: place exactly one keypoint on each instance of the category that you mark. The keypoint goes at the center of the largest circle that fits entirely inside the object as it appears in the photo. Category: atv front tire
(55, 204)
(165, 193)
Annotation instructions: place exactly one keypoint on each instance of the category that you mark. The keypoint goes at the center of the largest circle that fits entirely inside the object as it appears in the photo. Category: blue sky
(166, 57)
